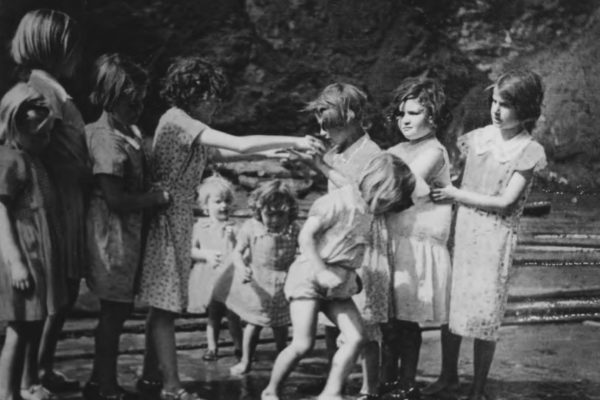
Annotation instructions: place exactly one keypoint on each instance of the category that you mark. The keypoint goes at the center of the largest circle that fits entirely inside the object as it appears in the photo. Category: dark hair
(275, 196)
(192, 79)
(116, 76)
(338, 105)
(427, 92)
(522, 89)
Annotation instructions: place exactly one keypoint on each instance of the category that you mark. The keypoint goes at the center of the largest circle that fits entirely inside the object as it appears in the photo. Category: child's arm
(211, 257)
(427, 163)
(308, 247)
(502, 202)
(10, 251)
(317, 164)
(237, 258)
(121, 201)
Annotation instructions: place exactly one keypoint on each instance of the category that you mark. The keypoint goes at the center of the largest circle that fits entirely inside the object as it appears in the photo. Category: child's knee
(302, 346)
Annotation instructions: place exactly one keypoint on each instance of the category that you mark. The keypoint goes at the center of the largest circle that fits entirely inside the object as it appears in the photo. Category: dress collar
(490, 140)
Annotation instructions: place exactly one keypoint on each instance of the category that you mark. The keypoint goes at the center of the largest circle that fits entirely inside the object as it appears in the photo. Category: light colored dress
(484, 242)
(419, 236)
(24, 182)
(270, 254)
(176, 165)
(67, 161)
(207, 282)
(114, 238)
(346, 232)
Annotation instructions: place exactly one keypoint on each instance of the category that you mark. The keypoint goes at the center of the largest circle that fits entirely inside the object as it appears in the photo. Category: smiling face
(218, 206)
(504, 115)
(413, 120)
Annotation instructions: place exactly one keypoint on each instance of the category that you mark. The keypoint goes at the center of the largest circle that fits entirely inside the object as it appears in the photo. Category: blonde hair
(45, 39)
(116, 76)
(387, 184)
(15, 107)
(212, 185)
(338, 105)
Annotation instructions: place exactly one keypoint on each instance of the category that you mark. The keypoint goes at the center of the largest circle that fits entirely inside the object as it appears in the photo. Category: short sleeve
(532, 158)
(13, 172)
(326, 209)
(244, 235)
(465, 142)
(107, 154)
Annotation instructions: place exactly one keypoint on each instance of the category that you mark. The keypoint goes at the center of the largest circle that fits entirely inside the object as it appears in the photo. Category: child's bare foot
(240, 368)
(440, 386)
(268, 396)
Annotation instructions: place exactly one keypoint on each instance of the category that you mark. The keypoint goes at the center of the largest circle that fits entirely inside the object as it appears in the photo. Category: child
(268, 241)
(419, 235)
(116, 210)
(194, 88)
(497, 178)
(47, 47)
(339, 110)
(27, 265)
(213, 241)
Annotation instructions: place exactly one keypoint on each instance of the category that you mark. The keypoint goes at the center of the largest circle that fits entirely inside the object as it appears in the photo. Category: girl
(47, 48)
(419, 235)
(323, 277)
(213, 241)
(115, 215)
(268, 241)
(26, 259)
(497, 178)
(180, 153)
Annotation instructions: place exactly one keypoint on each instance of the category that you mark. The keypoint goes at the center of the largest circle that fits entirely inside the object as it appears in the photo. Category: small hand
(443, 194)
(214, 258)
(328, 279)
(247, 275)
(19, 276)
(310, 144)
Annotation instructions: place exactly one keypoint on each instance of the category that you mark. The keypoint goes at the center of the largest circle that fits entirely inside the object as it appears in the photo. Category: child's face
(128, 108)
(275, 220)
(413, 121)
(336, 136)
(218, 206)
(35, 132)
(504, 115)
(204, 110)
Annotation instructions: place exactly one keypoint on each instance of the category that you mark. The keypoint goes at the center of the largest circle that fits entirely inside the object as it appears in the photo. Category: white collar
(60, 90)
(489, 139)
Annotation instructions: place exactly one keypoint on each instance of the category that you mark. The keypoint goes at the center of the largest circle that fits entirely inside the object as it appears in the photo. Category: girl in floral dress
(265, 250)
(500, 161)
(419, 235)
(180, 153)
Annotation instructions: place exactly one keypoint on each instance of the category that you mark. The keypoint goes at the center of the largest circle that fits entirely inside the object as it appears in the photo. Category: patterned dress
(24, 183)
(419, 235)
(176, 165)
(114, 238)
(207, 282)
(67, 161)
(262, 301)
(485, 241)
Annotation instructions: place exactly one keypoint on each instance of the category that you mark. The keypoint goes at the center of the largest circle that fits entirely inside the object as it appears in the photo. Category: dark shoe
(367, 396)
(91, 391)
(406, 393)
(148, 389)
(56, 382)
(210, 355)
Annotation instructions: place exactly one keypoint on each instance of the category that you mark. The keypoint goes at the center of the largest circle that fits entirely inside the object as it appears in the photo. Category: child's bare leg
(250, 339)
(448, 378)
(150, 371)
(370, 368)
(31, 336)
(234, 325)
(304, 321)
(331, 335)
(346, 317)
(280, 334)
(11, 360)
(216, 311)
(162, 325)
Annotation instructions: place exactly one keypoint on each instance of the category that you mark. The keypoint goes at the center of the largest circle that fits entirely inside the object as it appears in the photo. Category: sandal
(181, 394)
(57, 382)
(210, 355)
(36, 392)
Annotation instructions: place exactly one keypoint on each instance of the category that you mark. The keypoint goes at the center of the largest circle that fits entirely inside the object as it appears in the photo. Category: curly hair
(273, 196)
(338, 105)
(427, 92)
(212, 185)
(193, 79)
(524, 90)
(116, 76)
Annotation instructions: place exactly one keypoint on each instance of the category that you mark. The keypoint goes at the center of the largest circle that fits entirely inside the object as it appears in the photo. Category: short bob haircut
(46, 39)
(192, 79)
(523, 90)
(338, 105)
(387, 184)
(16, 107)
(427, 92)
(273, 196)
(116, 76)
(214, 185)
